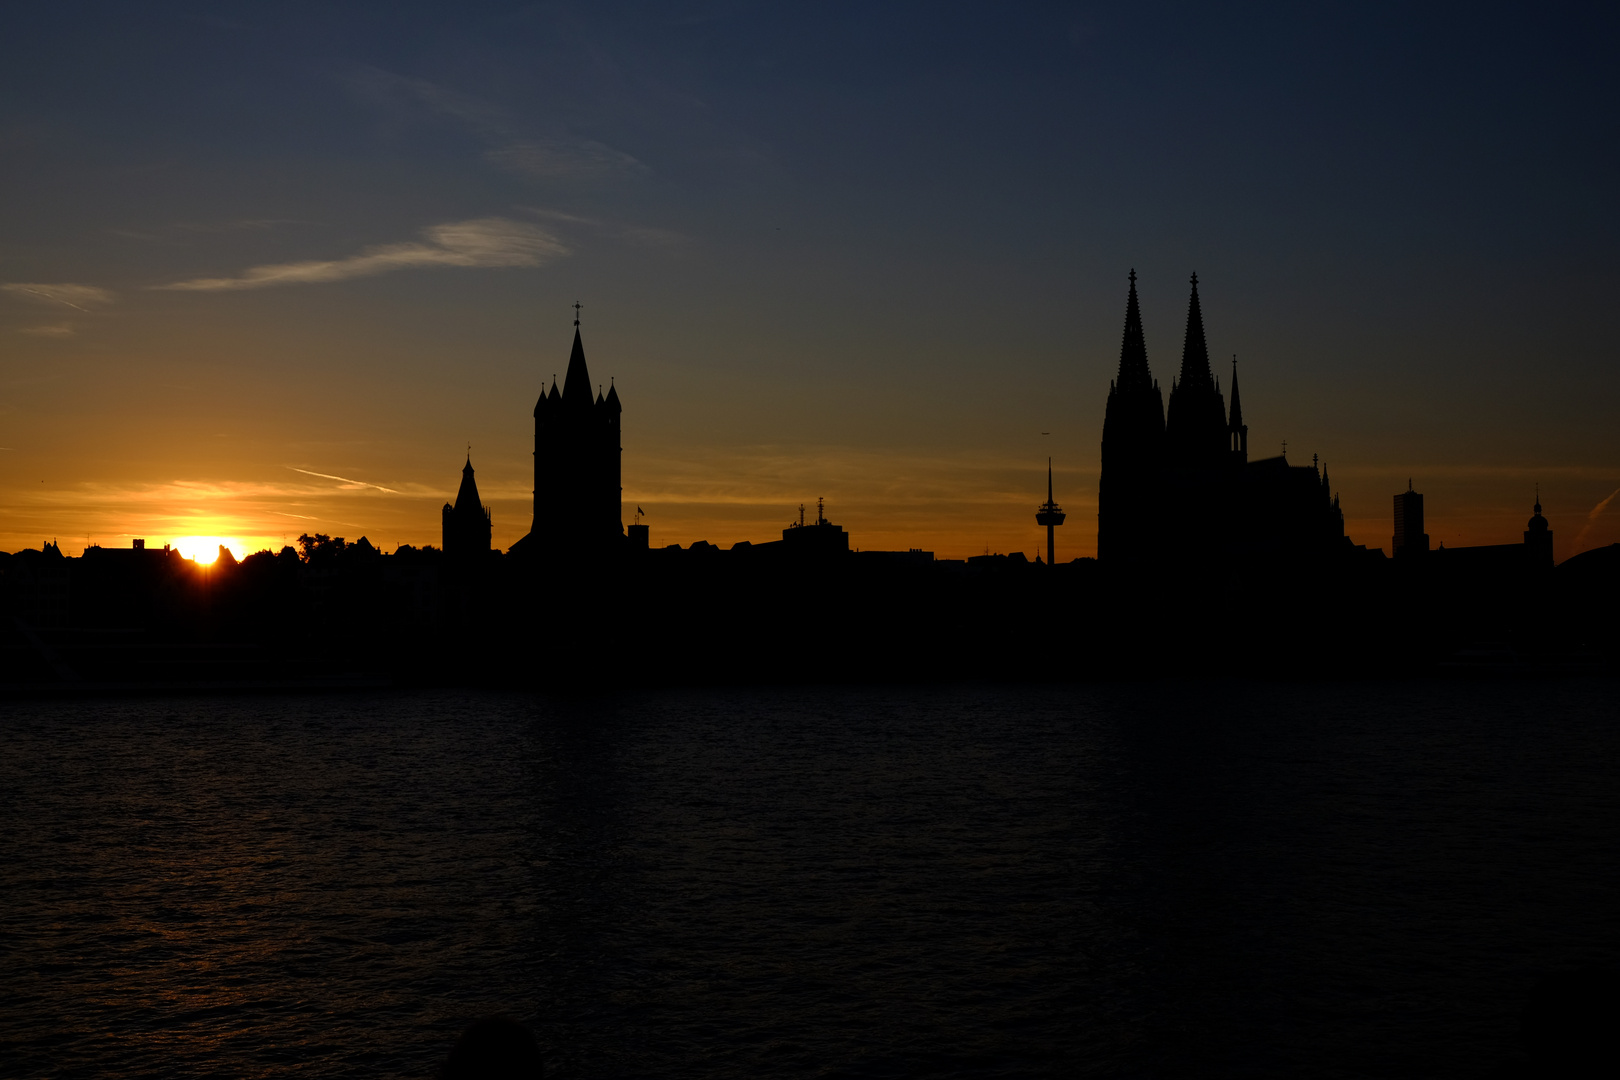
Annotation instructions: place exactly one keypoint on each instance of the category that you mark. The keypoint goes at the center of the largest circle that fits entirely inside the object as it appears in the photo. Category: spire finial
(577, 306)
(1538, 497)
(1195, 280)
(1133, 277)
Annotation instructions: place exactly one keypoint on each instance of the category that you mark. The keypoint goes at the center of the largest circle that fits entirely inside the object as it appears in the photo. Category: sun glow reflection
(205, 549)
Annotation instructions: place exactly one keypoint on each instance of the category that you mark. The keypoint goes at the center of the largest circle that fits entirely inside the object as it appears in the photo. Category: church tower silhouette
(1196, 435)
(467, 523)
(1128, 507)
(576, 468)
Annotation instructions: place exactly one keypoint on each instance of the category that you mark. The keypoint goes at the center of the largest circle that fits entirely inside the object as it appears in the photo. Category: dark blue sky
(866, 251)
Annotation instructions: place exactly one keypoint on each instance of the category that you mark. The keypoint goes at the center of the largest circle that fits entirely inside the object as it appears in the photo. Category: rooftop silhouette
(1202, 552)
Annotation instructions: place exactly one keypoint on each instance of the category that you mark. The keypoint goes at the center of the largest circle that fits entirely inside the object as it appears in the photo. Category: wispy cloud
(260, 513)
(482, 242)
(511, 147)
(554, 158)
(1591, 518)
(643, 235)
(343, 480)
(78, 297)
(64, 330)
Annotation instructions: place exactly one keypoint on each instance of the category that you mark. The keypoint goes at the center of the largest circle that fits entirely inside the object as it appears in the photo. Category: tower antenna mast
(1051, 515)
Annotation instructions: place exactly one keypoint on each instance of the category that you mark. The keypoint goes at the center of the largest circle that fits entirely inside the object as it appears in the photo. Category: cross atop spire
(577, 306)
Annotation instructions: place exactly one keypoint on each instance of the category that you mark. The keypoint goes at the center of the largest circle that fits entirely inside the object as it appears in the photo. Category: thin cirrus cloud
(553, 159)
(482, 242)
(642, 235)
(61, 331)
(1591, 519)
(78, 297)
(350, 484)
(511, 148)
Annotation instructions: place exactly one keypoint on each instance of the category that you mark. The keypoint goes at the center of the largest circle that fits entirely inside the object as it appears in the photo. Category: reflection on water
(1205, 879)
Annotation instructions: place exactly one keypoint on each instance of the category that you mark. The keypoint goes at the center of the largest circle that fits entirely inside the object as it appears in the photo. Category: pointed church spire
(1237, 405)
(1194, 352)
(1133, 363)
(577, 383)
(467, 496)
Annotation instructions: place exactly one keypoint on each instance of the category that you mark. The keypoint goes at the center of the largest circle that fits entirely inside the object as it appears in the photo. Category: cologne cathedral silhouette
(1178, 490)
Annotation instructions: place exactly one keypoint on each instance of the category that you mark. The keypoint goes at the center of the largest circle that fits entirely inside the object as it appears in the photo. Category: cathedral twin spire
(1134, 373)
(1195, 369)
(1133, 364)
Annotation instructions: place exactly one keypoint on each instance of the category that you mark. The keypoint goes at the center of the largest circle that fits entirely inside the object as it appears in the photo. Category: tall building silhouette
(1050, 515)
(1195, 429)
(577, 453)
(1177, 486)
(1409, 540)
(1128, 506)
(1538, 540)
(467, 522)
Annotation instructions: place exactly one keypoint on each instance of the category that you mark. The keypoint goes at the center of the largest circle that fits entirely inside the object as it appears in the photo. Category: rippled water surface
(1199, 879)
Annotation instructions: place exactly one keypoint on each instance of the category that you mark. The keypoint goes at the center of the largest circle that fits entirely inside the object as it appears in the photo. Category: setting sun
(205, 549)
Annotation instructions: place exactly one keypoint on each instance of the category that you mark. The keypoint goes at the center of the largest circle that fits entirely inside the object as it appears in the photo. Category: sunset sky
(269, 268)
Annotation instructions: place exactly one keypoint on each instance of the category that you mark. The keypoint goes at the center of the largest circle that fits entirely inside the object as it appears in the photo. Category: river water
(1189, 879)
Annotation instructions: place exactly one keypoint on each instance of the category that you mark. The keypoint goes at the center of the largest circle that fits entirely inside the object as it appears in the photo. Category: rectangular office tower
(1410, 539)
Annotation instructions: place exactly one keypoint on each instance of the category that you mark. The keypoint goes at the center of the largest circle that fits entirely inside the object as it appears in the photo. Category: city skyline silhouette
(274, 292)
(655, 538)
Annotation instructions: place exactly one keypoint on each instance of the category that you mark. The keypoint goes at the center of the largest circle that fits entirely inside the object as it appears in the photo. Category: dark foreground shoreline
(131, 622)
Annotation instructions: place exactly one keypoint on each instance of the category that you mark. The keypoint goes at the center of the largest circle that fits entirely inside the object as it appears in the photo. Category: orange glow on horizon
(204, 550)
